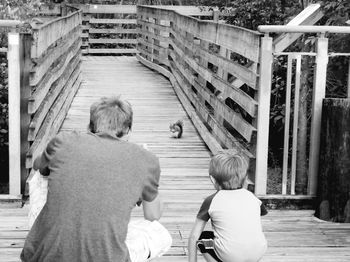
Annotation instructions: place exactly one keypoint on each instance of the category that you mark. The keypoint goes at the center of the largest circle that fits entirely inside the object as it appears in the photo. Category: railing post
(14, 103)
(319, 92)
(216, 14)
(264, 94)
(63, 7)
(349, 79)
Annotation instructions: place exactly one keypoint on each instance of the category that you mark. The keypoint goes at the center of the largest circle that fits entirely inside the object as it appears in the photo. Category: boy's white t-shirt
(235, 218)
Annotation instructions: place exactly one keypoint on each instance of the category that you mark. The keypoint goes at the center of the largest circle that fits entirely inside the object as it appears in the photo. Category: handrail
(174, 11)
(304, 29)
(9, 23)
(41, 26)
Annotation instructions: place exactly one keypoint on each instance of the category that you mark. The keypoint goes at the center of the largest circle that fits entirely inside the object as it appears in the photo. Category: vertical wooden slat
(14, 103)
(286, 125)
(349, 79)
(216, 14)
(264, 94)
(25, 68)
(318, 95)
(295, 124)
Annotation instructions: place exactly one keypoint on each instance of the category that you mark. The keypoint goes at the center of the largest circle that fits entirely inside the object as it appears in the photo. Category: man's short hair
(111, 115)
(229, 169)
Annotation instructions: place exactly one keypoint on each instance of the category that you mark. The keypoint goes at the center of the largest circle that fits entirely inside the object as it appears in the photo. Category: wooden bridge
(179, 67)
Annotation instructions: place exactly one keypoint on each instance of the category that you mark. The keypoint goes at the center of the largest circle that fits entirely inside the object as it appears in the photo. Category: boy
(234, 213)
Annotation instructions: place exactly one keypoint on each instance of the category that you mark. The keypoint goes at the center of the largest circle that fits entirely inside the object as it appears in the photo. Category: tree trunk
(334, 168)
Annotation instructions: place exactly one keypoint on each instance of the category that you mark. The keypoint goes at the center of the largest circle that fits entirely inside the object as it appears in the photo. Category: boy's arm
(192, 240)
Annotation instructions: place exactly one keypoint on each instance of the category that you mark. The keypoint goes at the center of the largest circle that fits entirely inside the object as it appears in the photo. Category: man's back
(94, 182)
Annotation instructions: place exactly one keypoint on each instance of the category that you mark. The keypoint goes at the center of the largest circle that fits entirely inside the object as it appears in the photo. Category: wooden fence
(223, 74)
(109, 29)
(213, 68)
(44, 75)
(112, 29)
(321, 55)
(54, 78)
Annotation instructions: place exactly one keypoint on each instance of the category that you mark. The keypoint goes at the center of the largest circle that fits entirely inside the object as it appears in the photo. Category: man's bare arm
(152, 210)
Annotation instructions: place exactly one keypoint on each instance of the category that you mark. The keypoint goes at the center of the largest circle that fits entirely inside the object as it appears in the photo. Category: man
(95, 180)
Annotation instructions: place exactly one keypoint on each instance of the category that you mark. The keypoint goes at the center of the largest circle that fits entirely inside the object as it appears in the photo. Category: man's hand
(152, 210)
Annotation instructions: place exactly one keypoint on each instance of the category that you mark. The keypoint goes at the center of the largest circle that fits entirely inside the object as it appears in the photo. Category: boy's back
(235, 217)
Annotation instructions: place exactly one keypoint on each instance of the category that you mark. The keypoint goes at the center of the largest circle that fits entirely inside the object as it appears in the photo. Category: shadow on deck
(292, 235)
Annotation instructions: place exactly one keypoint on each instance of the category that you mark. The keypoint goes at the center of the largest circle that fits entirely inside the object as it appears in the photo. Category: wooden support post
(25, 67)
(286, 125)
(333, 199)
(349, 80)
(14, 103)
(263, 119)
(319, 92)
(216, 14)
(64, 10)
(295, 125)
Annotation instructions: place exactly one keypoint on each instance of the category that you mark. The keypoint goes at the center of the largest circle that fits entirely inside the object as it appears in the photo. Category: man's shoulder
(142, 151)
(67, 136)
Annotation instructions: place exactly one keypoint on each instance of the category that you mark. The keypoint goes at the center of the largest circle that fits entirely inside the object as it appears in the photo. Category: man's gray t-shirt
(95, 181)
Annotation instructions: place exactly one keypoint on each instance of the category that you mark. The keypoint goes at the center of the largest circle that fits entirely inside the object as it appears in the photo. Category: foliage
(19, 10)
(337, 13)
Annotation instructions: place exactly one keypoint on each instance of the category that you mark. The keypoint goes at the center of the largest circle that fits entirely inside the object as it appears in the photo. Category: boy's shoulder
(210, 198)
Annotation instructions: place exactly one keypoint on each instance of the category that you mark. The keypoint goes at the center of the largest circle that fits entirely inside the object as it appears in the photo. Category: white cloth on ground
(147, 240)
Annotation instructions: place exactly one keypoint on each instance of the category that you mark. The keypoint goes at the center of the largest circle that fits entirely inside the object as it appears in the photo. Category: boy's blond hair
(229, 169)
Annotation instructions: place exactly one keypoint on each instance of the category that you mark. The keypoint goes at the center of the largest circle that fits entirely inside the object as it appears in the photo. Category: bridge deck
(292, 235)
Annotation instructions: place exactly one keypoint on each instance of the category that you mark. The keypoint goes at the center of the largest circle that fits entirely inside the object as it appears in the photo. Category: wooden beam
(308, 16)
(112, 21)
(111, 9)
(112, 31)
(45, 35)
(14, 104)
(263, 119)
(112, 41)
(113, 51)
(9, 23)
(25, 65)
(349, 79)
(319, 92)
(286, 125)
(295, 124)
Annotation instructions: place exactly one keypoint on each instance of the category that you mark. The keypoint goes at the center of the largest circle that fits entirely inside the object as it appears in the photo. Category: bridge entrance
(220, 73)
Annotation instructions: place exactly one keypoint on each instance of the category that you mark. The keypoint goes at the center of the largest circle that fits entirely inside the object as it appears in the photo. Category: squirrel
(176, 129)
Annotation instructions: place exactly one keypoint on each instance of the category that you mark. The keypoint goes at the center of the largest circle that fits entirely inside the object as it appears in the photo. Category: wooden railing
(223, 75)
(109, 29)
(112, 29)
(44, 75)
(213, 68)
(54, 78)
(321, 55)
